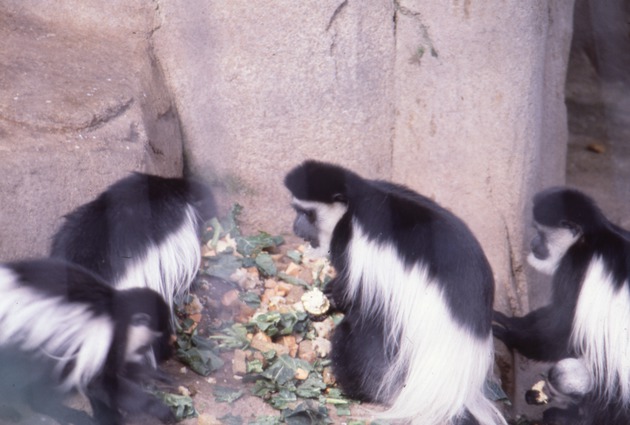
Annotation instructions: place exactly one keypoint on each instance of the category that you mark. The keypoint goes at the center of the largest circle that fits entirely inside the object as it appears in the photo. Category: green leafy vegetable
(250, 246)
(265, 264)
(226, 394)
(201, 361)
(254, 366)
(283, 369)
(181, 405)
(264, 389)
(307, 414)
(265, 420)
(276, 323)
(311, 387)
(234, 337)
(295, 256)
(250, 298)
(230, 222)
(222, 265)
(230, 419)
(282, 399)
(293, 280)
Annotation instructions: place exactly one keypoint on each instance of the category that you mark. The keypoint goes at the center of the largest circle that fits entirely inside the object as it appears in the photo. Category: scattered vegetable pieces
(181, 405)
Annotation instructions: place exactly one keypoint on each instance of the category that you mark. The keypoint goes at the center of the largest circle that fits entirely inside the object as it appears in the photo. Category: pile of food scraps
(257, 322)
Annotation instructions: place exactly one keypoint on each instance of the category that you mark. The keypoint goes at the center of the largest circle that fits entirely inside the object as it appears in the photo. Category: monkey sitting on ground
(416, 291)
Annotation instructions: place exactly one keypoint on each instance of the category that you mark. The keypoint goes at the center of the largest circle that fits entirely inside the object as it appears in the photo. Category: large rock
(462, 101)
(262, 85)
(79, 109)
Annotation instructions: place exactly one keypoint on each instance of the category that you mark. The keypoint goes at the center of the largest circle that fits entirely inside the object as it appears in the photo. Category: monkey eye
(574, 228)
(339, 197)
(311, 216)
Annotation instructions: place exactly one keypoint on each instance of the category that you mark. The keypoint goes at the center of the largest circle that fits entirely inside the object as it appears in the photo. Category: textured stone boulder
(79, 108)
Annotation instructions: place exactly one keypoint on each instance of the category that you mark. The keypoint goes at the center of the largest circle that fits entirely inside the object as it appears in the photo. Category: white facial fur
(558, 240)
(328, 215)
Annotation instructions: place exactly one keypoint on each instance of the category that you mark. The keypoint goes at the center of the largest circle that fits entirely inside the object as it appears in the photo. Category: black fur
(588, 411)
(116, 390)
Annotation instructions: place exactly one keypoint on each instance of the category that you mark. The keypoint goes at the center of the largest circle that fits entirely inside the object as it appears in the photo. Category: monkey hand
(334, 292)
(500, 325)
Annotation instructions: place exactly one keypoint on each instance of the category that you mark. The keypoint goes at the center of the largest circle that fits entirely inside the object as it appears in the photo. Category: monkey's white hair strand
(441, 368)
(50, 326)
(169, 267)
(600, 331)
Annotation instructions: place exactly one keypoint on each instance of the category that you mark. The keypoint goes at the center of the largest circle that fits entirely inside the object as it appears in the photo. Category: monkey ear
(574, 228)
(339, 197)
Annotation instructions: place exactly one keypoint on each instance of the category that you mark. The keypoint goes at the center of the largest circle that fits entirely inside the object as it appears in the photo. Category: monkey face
(549, 245)
(305, 225)
(316, 221)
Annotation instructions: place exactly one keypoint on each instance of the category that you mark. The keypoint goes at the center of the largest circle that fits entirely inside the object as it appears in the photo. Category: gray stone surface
(262, 85)
(79, 109)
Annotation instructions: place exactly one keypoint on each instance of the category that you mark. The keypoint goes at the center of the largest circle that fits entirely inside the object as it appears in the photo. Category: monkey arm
(542, 334)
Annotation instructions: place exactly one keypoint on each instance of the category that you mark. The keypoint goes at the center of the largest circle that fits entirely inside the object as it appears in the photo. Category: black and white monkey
(143, 231)
(416, 291)
(63, 329)
(589, 312)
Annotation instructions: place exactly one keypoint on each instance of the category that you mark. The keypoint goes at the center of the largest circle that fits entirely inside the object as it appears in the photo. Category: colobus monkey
(416, 290)
(67, 330)
(589, 313)
(143, 231)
